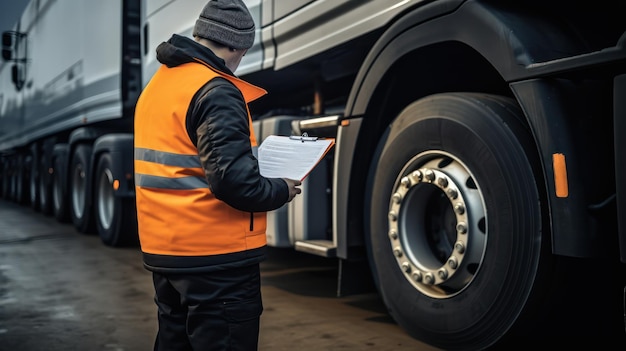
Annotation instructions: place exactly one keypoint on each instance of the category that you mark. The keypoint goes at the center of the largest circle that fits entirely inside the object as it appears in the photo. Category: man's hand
(293, 188)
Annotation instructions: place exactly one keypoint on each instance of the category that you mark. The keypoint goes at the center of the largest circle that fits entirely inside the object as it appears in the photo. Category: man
(201, 202)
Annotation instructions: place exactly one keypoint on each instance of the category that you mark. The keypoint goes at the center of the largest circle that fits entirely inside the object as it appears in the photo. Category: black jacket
(217, 124)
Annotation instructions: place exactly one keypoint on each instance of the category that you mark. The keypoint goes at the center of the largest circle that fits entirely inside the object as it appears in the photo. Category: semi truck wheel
(80, 173)
(115, 216)
(60, 203)
(34, 175)
(21, 180)
(458, 237)
(4, 178)
(45, 189)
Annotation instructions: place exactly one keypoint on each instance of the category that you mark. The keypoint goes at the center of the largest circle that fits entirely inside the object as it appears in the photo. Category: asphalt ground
(61, 291)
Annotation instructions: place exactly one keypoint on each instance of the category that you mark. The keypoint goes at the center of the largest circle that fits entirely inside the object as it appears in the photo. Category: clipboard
(292, 157)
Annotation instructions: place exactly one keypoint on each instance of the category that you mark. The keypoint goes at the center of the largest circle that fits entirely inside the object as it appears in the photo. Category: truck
(477, 179)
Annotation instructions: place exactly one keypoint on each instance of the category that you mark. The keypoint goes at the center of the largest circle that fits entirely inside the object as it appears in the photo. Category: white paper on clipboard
(291, 157)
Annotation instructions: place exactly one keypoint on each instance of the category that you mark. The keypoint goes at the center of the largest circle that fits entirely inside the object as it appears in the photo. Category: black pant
(219, 310)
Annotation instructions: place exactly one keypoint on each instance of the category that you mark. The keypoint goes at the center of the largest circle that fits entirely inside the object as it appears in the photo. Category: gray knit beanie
(227, 22)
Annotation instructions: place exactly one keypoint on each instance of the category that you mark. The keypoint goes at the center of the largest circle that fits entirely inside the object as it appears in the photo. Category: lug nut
(459, 208)
(417, 276)
(405, 182)
(406, 267)
(443, 273)
(452, 262)
(452, 193)
(429, 278)
(430, 175)
(459, 247)
(397, 252)
(461, 228)
(393, 216)
(393, 234)
(417, 176)
(397, 198)
(443, 182)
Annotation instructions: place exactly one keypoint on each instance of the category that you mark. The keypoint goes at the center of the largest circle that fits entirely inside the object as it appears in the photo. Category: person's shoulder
(219, 91)
(221, 82)
(220, 86)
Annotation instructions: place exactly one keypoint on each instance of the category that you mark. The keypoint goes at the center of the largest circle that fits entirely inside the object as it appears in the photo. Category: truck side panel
(72, 81)
(322, 25)
(164, 18)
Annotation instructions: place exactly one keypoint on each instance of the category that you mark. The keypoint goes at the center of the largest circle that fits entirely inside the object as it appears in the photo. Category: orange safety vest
(177, 213)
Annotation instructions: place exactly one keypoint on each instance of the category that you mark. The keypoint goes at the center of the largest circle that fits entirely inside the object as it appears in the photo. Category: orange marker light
(116, 184)
(560, 175)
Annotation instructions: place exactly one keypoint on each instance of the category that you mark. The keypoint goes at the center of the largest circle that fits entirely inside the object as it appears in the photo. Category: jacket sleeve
(219, 119)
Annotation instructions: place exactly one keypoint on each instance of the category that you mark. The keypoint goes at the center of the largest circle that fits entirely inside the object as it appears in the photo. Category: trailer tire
(80, 173)
(21, 180)
(34, 175)
(6, 178)
(45, 188)
(60, 201)
(115, 216)
(457, 232)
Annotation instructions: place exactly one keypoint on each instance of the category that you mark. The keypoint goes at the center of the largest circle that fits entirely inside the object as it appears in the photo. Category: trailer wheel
(4, 179)
(34, 175)
(60, 202)
(80, 172)
(21, 180)
(115, 216)
(457, 229)
(45, 189)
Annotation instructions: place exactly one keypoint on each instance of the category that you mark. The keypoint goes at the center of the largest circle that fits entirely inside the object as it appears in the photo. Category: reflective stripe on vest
(169, 159)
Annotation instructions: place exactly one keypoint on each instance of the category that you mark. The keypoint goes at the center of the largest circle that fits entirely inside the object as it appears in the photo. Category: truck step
(325, 248)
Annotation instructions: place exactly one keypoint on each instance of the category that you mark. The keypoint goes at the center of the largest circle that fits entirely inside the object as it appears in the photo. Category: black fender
(121, 148)
(85, 135)
(515, 47)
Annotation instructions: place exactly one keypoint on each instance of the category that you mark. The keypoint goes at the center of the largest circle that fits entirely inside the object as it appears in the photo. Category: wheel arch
(120, 145)
(492, 58)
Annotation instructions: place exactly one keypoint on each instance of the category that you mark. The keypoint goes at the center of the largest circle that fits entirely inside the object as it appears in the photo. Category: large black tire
(5, 180)
(21, 181)
(456, 221)
(115, 216)
(45, 187)
(34, 175)
(60, 201)
(80, 173)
